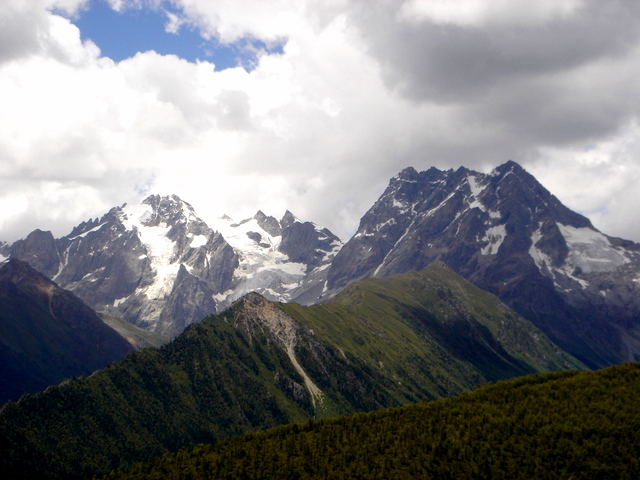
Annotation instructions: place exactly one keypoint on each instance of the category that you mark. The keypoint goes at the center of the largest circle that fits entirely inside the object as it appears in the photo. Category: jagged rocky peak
(39, 250)
(408, 174)
(288, 219)
(508, 234)
(169, 209)
(268, 224)
(158, 265)
(164, 211)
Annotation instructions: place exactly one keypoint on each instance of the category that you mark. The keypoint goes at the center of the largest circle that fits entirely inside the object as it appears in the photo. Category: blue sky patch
(121, 35)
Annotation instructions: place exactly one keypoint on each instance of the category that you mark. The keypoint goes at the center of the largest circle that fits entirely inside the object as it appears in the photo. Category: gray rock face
(157, 265)
(506, 233)
(39, 250)
(304, 243)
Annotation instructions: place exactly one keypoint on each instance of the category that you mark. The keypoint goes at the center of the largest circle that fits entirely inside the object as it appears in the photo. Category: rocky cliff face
(506, 233)
(161, 267)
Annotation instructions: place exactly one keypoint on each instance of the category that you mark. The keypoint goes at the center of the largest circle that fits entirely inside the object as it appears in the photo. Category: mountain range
(161, 267)
(454, 279)
(507, 234)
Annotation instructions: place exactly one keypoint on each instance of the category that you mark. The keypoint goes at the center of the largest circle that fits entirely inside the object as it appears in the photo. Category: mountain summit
(507, 234)
(161, 267)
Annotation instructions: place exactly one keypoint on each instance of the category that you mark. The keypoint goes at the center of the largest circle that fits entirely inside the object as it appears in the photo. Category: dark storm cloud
(510, 85)
(434, 62)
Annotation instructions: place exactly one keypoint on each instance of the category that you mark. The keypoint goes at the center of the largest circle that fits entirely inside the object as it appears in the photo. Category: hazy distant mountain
(47, 334)
(161, 267)
(507, 234)
(381, 342)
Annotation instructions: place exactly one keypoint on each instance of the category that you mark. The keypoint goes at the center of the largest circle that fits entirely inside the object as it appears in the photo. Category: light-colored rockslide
(259, 312)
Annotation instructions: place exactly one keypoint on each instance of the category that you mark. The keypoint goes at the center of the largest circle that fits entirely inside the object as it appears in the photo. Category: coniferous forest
(572, 425)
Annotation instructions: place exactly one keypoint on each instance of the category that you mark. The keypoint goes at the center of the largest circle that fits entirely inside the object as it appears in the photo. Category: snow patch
(540, 258)
(119, 301)
(262, 269)
(391, 221)
(160, 249)
(198, 241)
(84, 234)
(494, 236)
(476, 188)
(476, 204)
(590, 250)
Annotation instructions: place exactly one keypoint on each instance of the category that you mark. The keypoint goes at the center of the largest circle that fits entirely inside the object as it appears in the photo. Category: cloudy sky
(239, 105)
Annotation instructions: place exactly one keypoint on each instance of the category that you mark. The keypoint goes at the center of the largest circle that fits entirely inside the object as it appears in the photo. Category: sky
(311, 106)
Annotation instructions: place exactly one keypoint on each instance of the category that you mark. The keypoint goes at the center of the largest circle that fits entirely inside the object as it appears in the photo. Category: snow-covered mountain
(161, 267)
(506, 233)
(284, 260)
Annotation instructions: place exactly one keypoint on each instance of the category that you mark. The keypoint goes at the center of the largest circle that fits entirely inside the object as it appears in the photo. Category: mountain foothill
(149, 330)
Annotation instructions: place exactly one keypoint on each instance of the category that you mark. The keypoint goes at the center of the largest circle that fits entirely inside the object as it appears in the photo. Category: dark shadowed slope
(47, 334)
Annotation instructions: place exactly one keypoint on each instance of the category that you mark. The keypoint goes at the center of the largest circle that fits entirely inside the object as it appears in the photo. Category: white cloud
(360, 92)
(475, 12)
(599, 180)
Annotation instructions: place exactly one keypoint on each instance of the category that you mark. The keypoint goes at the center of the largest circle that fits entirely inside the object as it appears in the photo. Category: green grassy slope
(136, 336)
(565, 425)
(382, 343)
(432, 332)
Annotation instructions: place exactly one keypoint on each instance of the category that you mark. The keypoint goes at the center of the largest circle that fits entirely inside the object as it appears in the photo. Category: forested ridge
(571, 425)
